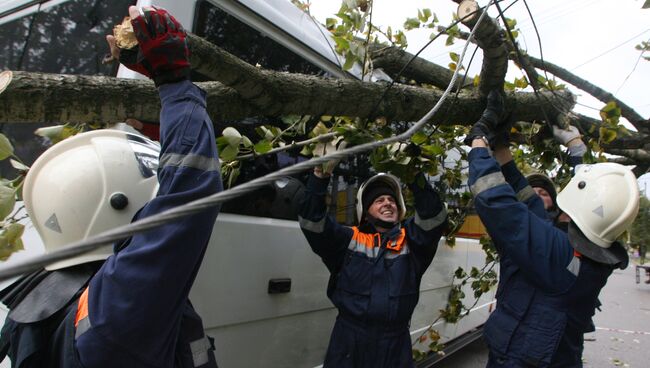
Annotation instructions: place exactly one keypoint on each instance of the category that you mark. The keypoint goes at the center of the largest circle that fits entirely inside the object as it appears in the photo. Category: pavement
(622, 336)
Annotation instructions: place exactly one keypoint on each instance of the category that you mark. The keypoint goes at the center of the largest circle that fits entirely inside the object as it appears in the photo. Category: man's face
(546, 198)
(384, 208)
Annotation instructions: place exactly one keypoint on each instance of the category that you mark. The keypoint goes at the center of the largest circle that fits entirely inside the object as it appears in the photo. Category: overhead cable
(122, 232)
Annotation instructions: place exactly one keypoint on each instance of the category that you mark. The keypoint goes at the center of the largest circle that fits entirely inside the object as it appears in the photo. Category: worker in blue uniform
(549, 279)
(134, 310)
(375, 267)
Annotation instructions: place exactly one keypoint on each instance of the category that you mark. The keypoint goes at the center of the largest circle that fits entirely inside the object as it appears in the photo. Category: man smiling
(375, 268)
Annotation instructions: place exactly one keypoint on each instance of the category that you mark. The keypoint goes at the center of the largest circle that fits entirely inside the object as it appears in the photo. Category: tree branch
(55, 99)
(495, 54)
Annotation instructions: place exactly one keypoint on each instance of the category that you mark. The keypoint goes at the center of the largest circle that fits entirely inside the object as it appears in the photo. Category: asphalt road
(622, 336)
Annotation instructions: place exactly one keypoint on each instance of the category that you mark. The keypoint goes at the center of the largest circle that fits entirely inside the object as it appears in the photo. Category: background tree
(640, 231)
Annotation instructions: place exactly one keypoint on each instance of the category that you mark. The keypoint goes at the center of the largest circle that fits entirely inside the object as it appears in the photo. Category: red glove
(162, 54)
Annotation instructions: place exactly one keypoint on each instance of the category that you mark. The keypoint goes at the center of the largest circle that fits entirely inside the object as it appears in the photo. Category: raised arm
(425, 229)
(326, 237)
(541, 252)
(518, 182)
(137, 299)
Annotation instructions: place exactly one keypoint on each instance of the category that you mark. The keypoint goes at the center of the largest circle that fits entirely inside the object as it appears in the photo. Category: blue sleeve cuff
(317, 185)
(514, 177)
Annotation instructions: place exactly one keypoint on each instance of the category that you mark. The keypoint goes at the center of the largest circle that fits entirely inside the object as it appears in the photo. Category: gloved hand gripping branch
(492, 125)
(162, 53)
(570, 138)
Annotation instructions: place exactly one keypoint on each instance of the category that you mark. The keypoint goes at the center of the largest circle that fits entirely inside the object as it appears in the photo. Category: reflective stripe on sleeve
(574, 266)
(313, 226)
(192, 161)
(200, 350)
(486, 182)
(431, 223)
(525, 193)
(81, 321)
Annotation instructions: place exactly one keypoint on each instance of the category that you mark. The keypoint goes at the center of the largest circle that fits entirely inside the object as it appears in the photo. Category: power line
(610, 50)
(122, 232)
(633, 69)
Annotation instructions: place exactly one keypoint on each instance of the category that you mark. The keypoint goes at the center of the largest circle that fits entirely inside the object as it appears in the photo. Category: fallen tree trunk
(55, 99)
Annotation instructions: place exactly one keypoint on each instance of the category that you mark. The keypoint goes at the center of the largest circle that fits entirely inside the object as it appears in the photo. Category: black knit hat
(544, 182)
(375, 190)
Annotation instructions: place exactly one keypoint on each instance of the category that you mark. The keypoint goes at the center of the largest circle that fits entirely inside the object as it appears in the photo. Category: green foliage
(10, 230)
(646, 5)
(644, 47)
(640, 229)
(6, 148)
(57, 133)
(453, 32)
(10, 240)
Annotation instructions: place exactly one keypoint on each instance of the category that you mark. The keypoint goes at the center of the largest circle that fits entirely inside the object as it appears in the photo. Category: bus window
(68, 38)
(241, 40)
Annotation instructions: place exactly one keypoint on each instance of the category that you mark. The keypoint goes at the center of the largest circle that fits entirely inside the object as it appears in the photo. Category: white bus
(260, 290)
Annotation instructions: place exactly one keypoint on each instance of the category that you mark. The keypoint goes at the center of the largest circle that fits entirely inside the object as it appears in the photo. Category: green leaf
(263, 146)
(50, 132)
(8, 248)
(450, 41)
(229, 153)
(411, 23)
(319, 129)
(330, 23)
(246, 142)
(423, 15)
(14, 231)
(460, 273)
(7, 201)
(454, 57)
(342, 44)
(18, 166)
(426, 12)
(419, 138)
(607, 135)
(350, 59)
(233, 177)
(6, 149)
(521, 83)
(232, 136)
(433, 150)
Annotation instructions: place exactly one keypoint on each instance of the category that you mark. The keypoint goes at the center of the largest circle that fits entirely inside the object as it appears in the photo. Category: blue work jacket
(547, 292)
(375, 277)
(138, 312)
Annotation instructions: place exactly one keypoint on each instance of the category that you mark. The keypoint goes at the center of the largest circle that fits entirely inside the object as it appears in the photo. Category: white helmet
(88, 184)
(390, 181)
(602, 200)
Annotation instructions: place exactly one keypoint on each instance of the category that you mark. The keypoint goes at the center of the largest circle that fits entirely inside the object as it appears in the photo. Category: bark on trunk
(55, 99)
